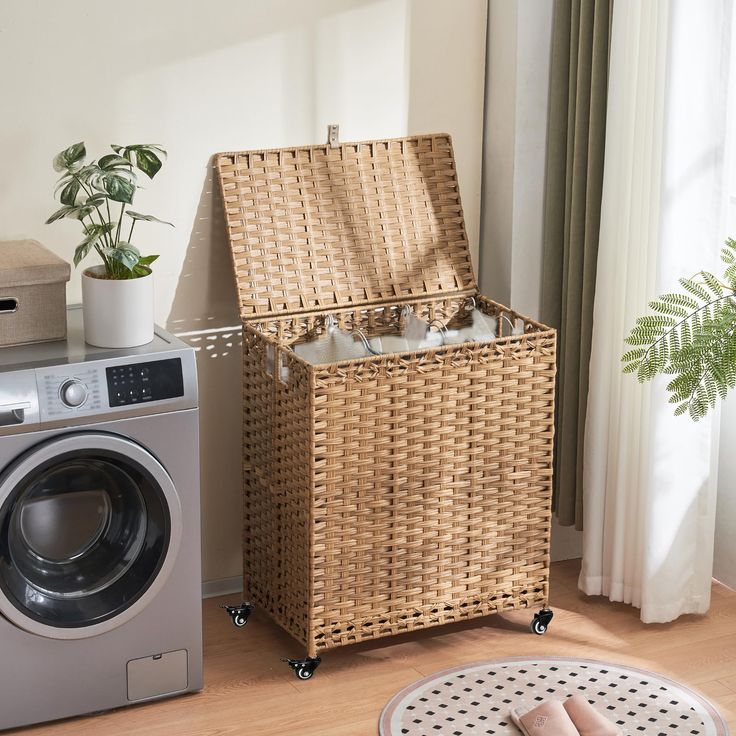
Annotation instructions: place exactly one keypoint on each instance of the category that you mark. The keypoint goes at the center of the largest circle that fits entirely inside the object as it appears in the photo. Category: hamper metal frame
(394, 492)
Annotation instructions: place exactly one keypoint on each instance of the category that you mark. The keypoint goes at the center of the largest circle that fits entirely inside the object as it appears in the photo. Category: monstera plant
(118, 293)
(691, 335)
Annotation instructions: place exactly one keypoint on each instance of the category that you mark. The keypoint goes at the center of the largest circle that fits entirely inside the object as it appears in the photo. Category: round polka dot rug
(476, 699)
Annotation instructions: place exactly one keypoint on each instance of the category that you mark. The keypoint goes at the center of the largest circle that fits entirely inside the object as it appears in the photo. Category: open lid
(320, 227)
(27, 262)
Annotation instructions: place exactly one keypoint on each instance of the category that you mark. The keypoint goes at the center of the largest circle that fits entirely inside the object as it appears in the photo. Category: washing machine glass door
(89, 528)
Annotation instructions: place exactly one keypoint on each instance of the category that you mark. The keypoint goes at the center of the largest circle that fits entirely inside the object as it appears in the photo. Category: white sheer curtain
(649, 477)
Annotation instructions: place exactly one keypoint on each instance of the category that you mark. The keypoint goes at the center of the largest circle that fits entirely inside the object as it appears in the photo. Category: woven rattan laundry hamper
(396, 492)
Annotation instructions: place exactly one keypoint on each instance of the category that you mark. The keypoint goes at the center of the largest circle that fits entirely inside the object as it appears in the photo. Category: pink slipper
(547, 719)
(588, 721)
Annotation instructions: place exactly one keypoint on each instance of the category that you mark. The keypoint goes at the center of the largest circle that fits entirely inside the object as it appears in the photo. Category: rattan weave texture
(395, 492)
(317, 228)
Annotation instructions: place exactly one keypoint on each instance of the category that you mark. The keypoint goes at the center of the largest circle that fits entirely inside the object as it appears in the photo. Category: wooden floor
(249, 691)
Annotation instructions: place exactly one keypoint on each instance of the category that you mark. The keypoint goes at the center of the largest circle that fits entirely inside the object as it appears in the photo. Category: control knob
(73, 393)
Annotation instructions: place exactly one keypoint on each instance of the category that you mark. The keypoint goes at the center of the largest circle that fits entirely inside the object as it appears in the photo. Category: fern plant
(691, 335)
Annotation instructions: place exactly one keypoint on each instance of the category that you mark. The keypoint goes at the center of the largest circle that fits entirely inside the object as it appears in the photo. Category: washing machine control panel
(135, 383)
(96, 388)
(68, 383)
(76, 388)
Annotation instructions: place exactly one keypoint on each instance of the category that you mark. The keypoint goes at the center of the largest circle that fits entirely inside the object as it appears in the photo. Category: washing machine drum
(89, 527)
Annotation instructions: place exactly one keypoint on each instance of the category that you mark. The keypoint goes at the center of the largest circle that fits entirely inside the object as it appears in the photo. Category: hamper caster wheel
(303, 668)
(239, 614)
(541, 621)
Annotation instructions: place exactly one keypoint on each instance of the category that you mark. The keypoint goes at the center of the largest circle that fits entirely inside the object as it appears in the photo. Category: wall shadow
(204, 313)
(206, 296)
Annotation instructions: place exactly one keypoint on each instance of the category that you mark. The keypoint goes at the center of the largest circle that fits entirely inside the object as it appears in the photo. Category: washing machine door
(90, 525)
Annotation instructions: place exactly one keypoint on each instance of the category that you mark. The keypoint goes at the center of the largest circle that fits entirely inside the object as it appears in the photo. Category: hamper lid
(27, 262)
(319, 227)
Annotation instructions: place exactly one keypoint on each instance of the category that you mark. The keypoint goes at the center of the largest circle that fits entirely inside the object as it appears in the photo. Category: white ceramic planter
(117, 313)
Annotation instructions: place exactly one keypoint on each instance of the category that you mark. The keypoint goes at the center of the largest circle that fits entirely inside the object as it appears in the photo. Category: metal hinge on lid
(333, 135)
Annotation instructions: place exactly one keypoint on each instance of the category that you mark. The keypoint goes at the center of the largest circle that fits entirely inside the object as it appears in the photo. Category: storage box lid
(319, 227)
(27, 262)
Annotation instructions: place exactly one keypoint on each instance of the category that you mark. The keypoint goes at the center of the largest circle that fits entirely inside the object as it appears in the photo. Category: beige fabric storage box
(395, 492)
(32, 293)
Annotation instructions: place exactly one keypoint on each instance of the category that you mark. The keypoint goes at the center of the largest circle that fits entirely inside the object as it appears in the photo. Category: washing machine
(100, 581)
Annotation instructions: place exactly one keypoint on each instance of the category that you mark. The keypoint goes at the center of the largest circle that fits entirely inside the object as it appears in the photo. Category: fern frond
(663, 307)
(691, 336)
(633, 355)
(712, 283)
(682, 299)
(695, 289)
(730, 276)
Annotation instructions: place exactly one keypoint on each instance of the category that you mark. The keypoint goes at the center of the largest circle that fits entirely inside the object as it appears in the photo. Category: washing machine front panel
(100, 514)
(90, 525)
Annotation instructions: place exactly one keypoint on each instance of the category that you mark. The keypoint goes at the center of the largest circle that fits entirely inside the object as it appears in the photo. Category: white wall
(499, 145)
(515, 137)
(517, 90)
(206, 77)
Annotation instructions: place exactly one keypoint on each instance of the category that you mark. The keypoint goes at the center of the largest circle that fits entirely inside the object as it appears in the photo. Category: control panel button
(73, 393)
(136, 383)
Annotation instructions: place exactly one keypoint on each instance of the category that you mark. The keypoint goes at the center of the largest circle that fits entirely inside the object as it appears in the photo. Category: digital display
(138, 383)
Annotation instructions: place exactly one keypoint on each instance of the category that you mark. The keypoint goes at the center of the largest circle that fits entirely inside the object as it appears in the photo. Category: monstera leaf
(70, 159)
(97, 193)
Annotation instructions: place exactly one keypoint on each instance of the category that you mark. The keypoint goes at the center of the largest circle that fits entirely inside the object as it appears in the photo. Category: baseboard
(223, 586)
(567, 542)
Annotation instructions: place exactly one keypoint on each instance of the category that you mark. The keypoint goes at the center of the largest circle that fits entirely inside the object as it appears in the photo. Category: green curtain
(574, 179)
